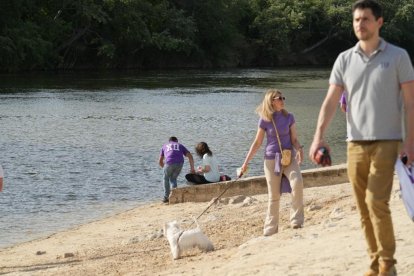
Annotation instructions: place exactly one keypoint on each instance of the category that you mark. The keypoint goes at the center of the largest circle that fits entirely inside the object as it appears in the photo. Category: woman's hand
(203, 169)
(299, 155)
(200, 170)
(243, 169)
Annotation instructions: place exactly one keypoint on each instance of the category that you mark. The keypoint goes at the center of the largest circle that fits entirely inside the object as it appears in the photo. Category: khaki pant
(294, 175)
(370, 171)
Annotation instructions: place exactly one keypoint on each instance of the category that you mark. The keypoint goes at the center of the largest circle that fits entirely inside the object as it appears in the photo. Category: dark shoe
(165, 200)
(387, 268)
(296, 226)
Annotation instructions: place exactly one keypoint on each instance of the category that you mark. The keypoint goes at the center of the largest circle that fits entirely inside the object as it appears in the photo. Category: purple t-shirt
(173, 152)
(283, 124)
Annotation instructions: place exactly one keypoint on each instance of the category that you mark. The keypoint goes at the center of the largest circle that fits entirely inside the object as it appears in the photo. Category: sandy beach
(132, 243)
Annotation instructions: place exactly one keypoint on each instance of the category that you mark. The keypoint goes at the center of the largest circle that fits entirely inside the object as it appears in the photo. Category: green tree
(75, 34)
(146, 33)
(24, 41)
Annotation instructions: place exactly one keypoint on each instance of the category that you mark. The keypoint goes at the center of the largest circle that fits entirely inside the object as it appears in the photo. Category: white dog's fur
(181, 240)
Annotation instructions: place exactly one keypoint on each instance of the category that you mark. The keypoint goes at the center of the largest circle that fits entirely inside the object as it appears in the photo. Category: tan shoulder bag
(286, 153)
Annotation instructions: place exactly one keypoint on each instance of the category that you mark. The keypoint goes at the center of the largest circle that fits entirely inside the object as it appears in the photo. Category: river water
(78, 147)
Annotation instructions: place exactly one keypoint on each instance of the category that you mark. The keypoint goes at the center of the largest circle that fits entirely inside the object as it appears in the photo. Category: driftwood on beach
(256, 185)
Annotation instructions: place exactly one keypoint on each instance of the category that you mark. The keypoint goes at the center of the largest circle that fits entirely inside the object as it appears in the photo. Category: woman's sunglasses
(280, 98)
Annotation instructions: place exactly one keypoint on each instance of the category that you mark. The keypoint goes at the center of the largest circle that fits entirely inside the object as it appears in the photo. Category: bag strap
(277, 135)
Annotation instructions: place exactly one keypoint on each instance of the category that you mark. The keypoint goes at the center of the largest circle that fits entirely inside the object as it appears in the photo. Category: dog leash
(215, 200)
(208, 207)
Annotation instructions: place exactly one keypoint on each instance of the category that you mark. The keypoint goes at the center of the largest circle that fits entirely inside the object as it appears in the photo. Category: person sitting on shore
(209, 172)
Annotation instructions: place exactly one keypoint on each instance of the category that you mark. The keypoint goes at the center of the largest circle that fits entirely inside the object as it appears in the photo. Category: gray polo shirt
(374, 98)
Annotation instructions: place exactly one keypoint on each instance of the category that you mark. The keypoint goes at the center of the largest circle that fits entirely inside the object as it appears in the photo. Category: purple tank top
(283, 124)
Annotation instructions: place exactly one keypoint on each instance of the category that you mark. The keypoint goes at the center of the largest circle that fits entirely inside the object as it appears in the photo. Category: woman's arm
(206, 165)
(254, 147)
(204, 169)
(295, 143)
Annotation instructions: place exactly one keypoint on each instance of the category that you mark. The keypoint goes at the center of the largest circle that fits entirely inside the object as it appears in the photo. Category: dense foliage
(77, 34)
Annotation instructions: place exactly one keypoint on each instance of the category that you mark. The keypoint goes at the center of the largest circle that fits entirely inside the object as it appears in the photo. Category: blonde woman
(273, 114)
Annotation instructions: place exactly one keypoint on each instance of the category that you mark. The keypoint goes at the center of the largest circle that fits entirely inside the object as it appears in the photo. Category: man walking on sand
(379, 80)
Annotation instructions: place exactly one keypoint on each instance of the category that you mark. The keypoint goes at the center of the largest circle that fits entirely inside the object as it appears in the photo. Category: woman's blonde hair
(265, 109)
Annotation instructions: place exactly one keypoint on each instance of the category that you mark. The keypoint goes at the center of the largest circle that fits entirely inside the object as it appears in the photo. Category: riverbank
(131, 243)
(92, 151)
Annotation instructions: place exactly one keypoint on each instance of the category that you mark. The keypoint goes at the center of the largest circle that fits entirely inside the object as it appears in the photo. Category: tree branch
(319, 43)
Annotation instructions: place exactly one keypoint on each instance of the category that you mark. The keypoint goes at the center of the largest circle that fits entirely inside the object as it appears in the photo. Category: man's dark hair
(373, 5)
(173, 139)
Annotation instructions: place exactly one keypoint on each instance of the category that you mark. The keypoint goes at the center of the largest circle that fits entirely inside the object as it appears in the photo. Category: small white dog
(181, 240)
